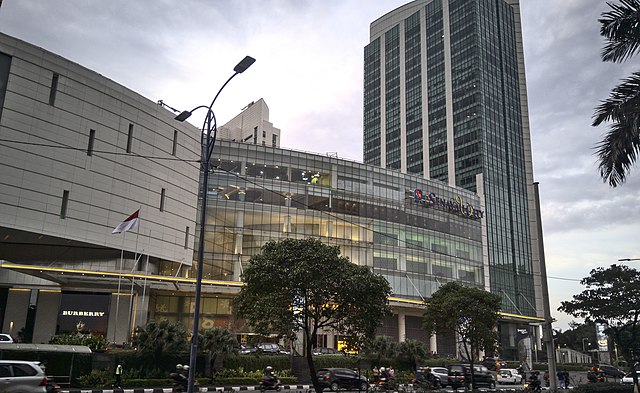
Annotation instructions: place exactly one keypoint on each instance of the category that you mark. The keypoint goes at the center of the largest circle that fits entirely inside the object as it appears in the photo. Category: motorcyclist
(533, 382)
(180, 376)
(269, 379)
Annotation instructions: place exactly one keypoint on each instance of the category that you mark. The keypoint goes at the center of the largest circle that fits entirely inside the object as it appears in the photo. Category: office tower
(445, 98)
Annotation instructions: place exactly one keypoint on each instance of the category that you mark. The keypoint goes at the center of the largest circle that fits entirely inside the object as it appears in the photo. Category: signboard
(456, 206)
(82, 313)
(601, 337)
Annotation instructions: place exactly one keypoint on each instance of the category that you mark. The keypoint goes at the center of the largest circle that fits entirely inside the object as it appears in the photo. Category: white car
(5, 339)
(628, 379)
(19, 376)
(509, 375)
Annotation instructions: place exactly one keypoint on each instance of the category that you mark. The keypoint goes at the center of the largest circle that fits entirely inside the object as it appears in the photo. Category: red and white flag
(129, 224)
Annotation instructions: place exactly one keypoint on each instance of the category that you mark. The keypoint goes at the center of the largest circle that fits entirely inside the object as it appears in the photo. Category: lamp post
(207, 141)
(583, 347)
(628, 259)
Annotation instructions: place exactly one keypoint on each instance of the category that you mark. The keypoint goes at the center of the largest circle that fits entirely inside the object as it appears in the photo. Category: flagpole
(132, 269)
(115, 327)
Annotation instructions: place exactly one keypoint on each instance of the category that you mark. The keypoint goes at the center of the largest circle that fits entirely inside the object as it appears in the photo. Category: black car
(494, 364)
(460, 375)
(341, 378)
(611, 371)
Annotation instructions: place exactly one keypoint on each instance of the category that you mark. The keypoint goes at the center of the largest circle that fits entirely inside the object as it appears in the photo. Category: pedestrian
(561, 379)
(118, 384)
(376, 373)
(567, 379)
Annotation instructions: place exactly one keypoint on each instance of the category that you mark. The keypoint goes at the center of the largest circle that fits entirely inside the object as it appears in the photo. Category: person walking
(118, 383)
(560, 375)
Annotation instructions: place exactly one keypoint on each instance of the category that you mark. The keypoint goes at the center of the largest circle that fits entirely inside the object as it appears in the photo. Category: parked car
(628, 379)
(460, 375)
(494, 364)
(611, 371)
(341, 378)
(6, 339)
(271, 348)
(19, 376)
(246, 350)
(442, 373)
(509, 375)
(325, 351)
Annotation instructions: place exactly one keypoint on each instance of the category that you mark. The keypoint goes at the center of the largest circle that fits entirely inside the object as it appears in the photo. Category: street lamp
(583, 347)
(207, 141)
(628, 259)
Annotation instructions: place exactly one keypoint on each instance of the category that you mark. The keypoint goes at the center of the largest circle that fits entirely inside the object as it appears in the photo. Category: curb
(172, 390)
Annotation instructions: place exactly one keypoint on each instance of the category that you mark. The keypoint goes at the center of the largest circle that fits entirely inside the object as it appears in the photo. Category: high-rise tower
(445, 98)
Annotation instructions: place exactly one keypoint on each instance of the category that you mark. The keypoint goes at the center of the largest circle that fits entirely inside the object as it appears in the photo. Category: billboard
(83, 312)
(601, 337)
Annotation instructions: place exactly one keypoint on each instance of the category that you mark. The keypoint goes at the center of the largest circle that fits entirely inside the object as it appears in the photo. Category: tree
(612, 296)
(304, 285)
(618, 150)
(158, 338)
(413, 351)
(579, 336)
(470, 312)
(216, 341)
(380, 347)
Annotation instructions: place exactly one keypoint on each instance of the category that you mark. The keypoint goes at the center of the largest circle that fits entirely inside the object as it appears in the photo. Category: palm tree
(381, 347)
(156, 339)
(414, 351)
(216, 341)
(618, 150)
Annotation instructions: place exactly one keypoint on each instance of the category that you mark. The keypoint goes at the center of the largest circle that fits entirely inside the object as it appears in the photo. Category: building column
(433, 344)
(402, 329)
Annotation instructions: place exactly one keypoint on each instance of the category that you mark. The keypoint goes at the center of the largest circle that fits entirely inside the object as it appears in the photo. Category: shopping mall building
(80, 153)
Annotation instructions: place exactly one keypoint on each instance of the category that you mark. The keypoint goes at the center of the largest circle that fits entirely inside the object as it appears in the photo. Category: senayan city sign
(457, 205)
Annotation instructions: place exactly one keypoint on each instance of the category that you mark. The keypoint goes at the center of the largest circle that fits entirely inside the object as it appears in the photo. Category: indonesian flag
(130, 223)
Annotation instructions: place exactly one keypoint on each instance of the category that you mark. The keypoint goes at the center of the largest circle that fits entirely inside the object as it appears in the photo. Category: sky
(309, 71)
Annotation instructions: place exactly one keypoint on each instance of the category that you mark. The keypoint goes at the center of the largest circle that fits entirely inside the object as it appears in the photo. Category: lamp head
(244, 64)
(184, 115)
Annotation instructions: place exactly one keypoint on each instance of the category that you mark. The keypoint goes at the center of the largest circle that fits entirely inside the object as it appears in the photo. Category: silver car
(19, 376)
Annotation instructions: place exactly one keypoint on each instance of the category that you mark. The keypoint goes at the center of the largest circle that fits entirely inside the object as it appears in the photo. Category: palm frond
(621, 27)
(618, 151)
(624, 101)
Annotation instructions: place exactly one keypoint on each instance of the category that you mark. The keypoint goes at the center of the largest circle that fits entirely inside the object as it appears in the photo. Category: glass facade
(473, 125)
(417, 241)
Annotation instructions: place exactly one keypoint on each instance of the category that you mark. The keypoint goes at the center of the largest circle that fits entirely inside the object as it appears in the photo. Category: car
(494, 364)
(611, 371)
(628, 379)
(6, 338)
(245, 350)
(509, 375)
(325, 351)
(460, 375)
(442, 373)
(271, 349)
(341, 378)
(20, 376)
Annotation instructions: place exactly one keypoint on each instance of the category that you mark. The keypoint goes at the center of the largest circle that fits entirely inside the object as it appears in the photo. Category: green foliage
(325, 361)
(573, 338)
(158, 338)
(413, 351)
(251, 362)
(92, 341)
(380, 347)
(216, 341)
(471, 312)
(305, 285)
(612, 296)
(617, 152)
(96, 379)
(607, 387)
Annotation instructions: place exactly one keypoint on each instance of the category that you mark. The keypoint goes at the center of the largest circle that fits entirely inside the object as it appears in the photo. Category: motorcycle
(270, 383)
(181, 382)
(533, 384)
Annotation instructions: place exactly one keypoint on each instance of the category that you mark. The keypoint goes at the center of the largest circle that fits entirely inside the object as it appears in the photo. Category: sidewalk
(303, 388)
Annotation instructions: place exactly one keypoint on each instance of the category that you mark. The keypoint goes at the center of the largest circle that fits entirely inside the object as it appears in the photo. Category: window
(65, 202)
(264, 134)
(129, 138)
(54, 88)
(162, 198)
(175, 143)
(92, 137)
(186, 238)
(23, 370)
(274, 140)
(255, 135)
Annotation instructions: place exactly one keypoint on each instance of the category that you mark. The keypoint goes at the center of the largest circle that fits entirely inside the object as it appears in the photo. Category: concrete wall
(46, 316)
(16, 313)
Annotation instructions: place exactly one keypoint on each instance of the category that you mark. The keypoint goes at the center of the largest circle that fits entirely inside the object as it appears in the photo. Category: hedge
(257, 362)
(606, 387)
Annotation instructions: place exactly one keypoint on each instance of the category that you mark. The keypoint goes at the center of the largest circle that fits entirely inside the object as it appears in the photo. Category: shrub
(607, 387)
(90, 340)
(96, 379)
(257, 362)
